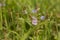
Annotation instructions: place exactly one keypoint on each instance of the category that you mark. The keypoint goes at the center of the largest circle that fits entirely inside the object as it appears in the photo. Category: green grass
(15, 24)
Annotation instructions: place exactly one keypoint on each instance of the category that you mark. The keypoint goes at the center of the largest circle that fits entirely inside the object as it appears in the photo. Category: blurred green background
(16, 20)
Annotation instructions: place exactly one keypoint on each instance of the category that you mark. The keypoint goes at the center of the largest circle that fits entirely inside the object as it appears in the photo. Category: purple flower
(34, 21)
(42, 17)
(34, 11)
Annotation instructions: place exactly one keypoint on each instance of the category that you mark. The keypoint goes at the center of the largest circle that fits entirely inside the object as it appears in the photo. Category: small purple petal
(42, 17)
(34, 11)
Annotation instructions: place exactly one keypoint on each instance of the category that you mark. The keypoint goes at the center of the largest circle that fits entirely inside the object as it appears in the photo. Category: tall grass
(16, 19)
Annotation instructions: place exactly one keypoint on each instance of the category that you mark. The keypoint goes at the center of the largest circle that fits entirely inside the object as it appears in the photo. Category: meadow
(29, 19)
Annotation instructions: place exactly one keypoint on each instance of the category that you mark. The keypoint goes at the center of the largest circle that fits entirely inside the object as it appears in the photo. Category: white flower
(42, 17)
(34, 21)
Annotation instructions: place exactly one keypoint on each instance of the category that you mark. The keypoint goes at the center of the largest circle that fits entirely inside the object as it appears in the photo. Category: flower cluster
(34, 19)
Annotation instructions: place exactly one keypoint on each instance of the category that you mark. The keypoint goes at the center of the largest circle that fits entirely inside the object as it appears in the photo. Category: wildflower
(42, 17)
(34, 11)
(34, 21)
